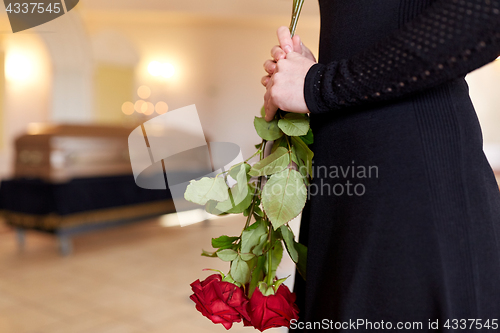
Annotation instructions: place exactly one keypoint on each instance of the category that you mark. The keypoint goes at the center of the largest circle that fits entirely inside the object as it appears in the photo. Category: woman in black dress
(422, 243)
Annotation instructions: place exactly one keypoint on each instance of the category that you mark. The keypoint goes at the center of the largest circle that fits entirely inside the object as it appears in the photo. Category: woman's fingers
(285, 39)
(270, 66)
(271, 112)
(285, 88)
(269, 105)
(288, 92)
(301, 48)
(277, 53)
(265, 80)
(271, 109)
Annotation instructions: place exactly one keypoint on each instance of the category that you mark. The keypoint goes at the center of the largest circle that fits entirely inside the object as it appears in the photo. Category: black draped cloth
(403, 223)
(39, 197)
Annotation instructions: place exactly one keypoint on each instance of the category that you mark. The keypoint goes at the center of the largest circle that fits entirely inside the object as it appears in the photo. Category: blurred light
(167, 70)
(36, 128)
(138, 105)
(498, 59)
(18, 67)
(144, 92)
(128, 108)
(148, 108)
(157, 68)
(188, 217)
(161, 107)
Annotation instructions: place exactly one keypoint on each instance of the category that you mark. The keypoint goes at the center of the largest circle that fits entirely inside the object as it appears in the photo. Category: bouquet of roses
(270, 193)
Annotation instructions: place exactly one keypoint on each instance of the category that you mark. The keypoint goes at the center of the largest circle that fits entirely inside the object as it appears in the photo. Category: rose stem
(250, 213)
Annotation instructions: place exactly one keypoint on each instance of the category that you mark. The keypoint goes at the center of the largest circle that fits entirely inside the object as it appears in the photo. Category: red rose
(272, 311)
(221, 302)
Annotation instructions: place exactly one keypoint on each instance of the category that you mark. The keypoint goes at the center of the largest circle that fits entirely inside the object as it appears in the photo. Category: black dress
(414, 233)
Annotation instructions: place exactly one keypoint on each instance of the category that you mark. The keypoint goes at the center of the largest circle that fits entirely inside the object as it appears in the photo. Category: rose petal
(274, 310)
(221, 302)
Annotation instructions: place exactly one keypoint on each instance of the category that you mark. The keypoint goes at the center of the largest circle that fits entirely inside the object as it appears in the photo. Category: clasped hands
(287, 70)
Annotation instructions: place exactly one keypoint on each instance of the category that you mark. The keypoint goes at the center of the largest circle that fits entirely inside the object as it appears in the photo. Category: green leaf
(274, 163)
(240, 195)
(265, 289)
(210, 208)
(303, 153)
(251, 237)
(239, 208)
(208, 254)
(200, 191)
(227, 255)
(259, 248)
(308, 138)
(267, 130)
(254, 226)
(294, 124)
(240, 271)
(278, 283)
(302, 262)
(263, 111)
(229, 278)
(257, 211)
(289, 242)
(247, 256)
(257, 275)
(252, 264)
(277, 254)
(284, 197)
(242, 168)
(215, 270)
(295, 159)
(301, 167)
(246, 211)
(223, 242)
(281, 142)
(276, 233)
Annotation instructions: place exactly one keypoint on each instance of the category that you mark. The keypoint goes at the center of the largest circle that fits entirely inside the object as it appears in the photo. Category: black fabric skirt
(403, 222)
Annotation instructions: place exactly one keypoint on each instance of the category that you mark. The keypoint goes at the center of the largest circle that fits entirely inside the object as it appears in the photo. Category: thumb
(297, 44)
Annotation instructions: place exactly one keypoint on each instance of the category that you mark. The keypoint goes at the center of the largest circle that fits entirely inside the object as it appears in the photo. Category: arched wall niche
(70, 50)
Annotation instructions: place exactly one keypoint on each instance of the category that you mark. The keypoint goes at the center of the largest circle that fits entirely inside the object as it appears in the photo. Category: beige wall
(484, 85)
(218, 64)
(26, 99)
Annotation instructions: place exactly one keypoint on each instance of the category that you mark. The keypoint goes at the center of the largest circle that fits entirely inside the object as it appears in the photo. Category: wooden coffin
(58, 153)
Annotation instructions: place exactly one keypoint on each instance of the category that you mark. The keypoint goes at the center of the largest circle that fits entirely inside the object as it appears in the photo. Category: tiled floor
(131, 279)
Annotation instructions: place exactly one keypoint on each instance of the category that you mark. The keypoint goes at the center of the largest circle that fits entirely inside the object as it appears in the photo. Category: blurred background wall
(85, 66)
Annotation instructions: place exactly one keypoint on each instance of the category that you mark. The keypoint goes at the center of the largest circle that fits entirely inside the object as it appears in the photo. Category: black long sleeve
(448, 40)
